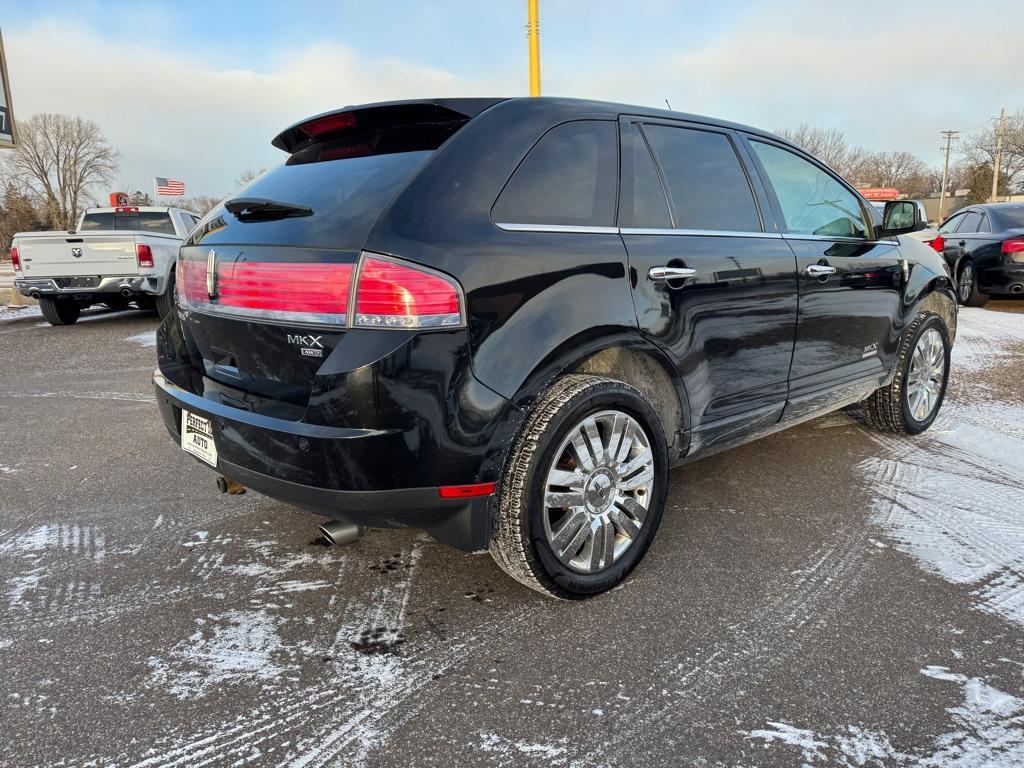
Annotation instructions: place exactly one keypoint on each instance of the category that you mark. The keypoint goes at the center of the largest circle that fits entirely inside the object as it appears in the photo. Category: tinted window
(950, 224)
(813, 202)
(706, 183)
(643, 197)
(969, 223)
(1011, 218)
(145, 221)
(569, 177)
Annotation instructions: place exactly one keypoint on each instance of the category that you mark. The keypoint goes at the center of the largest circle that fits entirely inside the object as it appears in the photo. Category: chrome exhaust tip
(126, 292)
(339, 533)
(1017, 288)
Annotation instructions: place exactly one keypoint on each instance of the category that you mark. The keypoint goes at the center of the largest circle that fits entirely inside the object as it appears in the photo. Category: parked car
(984, 247)
(114, 256)
(929, 235)
(502, 321)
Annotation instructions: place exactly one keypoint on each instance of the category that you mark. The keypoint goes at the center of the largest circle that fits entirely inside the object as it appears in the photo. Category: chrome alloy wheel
(966, 284)
(924, 382)
(597, 491)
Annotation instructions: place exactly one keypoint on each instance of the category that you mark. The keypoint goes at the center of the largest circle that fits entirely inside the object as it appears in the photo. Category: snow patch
(512, 750)
(144, 339)
(237, 646)
(68, 538)
(11, 312)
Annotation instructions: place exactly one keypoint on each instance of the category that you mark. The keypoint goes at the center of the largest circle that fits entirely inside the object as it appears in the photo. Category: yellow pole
(533, 35)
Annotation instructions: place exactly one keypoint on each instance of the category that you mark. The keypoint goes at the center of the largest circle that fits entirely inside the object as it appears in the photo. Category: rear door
(688, 203)
(850, 283)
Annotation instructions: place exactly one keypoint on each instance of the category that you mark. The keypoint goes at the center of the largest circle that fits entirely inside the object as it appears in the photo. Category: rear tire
(60, 311)
(620, 497)
(165, 301)
(967, 286)
(898, 407)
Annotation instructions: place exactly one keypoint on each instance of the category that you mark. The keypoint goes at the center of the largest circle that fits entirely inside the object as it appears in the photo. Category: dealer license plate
(197, 437)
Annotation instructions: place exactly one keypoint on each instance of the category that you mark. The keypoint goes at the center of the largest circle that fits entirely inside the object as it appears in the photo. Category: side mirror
(900, 217)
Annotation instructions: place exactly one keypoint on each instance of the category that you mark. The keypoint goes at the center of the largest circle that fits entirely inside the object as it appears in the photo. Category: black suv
(504, 320)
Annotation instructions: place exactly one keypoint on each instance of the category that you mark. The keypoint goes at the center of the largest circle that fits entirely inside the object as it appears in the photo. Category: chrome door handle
(661, 274)
(819, 270)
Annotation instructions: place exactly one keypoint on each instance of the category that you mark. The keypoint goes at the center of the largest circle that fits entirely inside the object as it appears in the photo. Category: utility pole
(533, 35)
(948, 136)
(999, 155)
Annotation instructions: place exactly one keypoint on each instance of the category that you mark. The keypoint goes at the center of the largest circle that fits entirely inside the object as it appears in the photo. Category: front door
(850, 283)
(711, 287)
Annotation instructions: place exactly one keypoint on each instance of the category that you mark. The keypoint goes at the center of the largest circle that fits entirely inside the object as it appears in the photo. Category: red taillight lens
(1016, 245)
(319, 289)
(392, 295)
(143, 255)
(16, 259)
(465, 491)
(328, 124)
(938, 244)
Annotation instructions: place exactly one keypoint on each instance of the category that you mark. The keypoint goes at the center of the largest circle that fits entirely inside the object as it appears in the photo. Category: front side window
(706, 183)
(570, 177)
(813, 202)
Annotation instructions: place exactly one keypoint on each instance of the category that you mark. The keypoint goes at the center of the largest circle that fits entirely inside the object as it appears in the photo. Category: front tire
(967, 286)
(911, 401)
(583, 490)
(60, 311)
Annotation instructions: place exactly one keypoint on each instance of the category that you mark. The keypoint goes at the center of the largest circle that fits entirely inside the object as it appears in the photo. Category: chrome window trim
(568, 228)
(697, 232)
(819, 238)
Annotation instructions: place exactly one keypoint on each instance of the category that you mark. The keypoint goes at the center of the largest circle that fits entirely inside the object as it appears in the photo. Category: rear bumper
(1002, 279)
(306, 465)
(82, 286)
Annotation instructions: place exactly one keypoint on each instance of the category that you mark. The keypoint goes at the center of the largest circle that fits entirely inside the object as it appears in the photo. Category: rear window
(346, 196)
(568, 178)
(1011, 218)
(144, 221)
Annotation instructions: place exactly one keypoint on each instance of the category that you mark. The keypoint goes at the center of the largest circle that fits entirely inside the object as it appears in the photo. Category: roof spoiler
(370, 117)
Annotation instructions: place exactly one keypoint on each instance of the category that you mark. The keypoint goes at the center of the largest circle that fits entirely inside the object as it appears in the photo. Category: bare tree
(980, 148)
(59, 158)
(828, 145)
(18, 213)
(247, 176)
(201, 204)
(901, 170)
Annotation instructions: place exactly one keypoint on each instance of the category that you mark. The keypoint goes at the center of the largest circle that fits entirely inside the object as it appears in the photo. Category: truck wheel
(165, 301)
(583, 490)
(967, 286)
(911, 401)
(59, 311)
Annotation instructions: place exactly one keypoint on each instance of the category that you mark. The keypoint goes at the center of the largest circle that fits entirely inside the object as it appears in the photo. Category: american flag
(169, 187)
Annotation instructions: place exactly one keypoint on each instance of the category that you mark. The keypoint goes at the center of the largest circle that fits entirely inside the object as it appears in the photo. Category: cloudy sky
(196, 90)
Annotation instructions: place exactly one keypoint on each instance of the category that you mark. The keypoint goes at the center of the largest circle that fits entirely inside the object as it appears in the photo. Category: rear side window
(813, 202)
(570, 177)
(643, 203)
(970, 223)
(144, 221)
(706, 182)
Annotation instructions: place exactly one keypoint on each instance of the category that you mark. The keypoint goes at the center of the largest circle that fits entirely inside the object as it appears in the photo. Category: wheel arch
(938, 296)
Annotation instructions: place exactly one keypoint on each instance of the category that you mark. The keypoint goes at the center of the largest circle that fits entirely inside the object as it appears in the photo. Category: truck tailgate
(67, 255)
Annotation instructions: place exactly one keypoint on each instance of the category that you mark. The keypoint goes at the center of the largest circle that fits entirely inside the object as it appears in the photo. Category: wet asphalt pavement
(825, 596)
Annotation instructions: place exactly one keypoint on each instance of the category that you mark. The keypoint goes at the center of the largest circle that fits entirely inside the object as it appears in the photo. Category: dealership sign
(880, 193)
(7, 135)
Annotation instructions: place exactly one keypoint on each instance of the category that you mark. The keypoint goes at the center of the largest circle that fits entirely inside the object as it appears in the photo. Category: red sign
(880, 193)
(118, 199)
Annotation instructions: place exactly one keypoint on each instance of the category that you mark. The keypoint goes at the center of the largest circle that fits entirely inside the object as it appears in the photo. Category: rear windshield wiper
(262, 209)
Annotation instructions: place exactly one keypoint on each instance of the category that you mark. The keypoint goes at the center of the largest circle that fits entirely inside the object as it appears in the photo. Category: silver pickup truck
(113, 257)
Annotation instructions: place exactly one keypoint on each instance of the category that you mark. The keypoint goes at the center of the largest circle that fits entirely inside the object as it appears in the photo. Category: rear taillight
(16, 259)
(390, 294)
(387, 293)
(938, 244)
(144, 255)
(1014, 246)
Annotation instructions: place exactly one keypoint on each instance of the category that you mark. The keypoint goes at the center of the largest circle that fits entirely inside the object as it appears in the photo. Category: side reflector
(144, 255)
(465, 491)
(16, 259)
